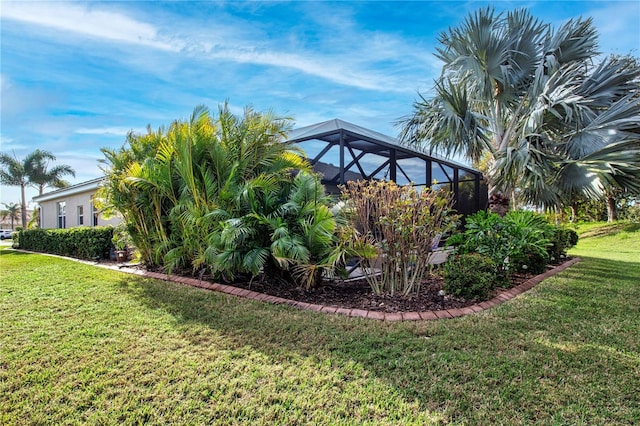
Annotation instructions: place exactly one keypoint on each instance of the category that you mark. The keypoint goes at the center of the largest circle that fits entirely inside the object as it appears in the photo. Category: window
(80, 215)
(62, 214)
(94, 215)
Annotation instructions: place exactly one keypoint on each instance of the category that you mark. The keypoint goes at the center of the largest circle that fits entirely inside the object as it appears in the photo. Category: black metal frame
(348, 139)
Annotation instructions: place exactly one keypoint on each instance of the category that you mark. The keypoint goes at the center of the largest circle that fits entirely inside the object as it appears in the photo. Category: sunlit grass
(80, 344)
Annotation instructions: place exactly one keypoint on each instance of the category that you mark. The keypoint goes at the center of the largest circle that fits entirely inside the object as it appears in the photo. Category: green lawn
(84, 345)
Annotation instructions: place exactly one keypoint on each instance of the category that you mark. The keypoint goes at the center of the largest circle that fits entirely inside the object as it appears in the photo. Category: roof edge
(69, 190)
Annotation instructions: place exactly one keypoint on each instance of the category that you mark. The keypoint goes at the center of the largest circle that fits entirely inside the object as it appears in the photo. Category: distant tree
(11, 211)
(13, 173)
(529, 101)
(31, 171)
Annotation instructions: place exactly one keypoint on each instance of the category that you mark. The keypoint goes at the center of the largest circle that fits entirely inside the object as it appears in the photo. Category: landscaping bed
(357, 294)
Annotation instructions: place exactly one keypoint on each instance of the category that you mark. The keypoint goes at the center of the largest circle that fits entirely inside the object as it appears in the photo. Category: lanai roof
(342, 151)
(364, 139)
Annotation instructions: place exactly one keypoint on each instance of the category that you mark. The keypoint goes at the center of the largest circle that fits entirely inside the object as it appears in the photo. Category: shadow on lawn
(457, 364)
(8, 251)
(611, 230)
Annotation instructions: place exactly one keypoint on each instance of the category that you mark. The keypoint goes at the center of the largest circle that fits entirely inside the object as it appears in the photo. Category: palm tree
(12, 211)
(287, 230)
(14, 173)
(40, 177)
(172, 185)
(31, 171)
(528, 100)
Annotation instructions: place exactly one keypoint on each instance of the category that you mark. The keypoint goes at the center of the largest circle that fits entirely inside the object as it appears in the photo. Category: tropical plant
(517, 241)
(40, 176)
(14, 173)
(121, 238)
(529, 237)
(288, 231)
(528, 101)
(402, 224)
(175, 187)
(12, 211)
(32, 170)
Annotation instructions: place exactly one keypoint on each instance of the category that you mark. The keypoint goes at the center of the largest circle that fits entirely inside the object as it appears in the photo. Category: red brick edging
(361, 313)
(383, 316)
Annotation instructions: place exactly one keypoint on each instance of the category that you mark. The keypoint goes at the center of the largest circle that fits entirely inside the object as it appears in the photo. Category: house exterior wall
(73, 197)
(49, 211)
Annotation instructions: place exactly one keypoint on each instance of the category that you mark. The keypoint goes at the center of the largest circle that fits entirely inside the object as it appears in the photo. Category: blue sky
(77, 76)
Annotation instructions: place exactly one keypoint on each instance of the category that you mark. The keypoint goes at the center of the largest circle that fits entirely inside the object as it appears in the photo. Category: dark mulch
(358, 295)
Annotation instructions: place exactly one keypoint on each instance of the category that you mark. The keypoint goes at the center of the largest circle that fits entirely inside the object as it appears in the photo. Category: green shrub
(82, 242)
(288, 231)
(533, 263)
(561, 239)
(121, 238)
(518, 241)
(470, 275)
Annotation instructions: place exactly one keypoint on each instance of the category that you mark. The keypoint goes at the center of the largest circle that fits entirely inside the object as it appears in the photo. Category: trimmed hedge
(81, 242)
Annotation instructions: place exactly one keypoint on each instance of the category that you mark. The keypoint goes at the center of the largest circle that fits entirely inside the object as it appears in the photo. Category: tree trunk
(36, 212)
(498, 201)
(24, 207)
(574, 212)
(612, 212)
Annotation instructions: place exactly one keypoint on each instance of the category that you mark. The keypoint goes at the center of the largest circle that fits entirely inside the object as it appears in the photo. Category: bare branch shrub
(403, 224)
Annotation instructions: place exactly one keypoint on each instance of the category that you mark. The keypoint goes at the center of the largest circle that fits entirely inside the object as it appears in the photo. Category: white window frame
(80, 210)
(94, 215)
(61, 207)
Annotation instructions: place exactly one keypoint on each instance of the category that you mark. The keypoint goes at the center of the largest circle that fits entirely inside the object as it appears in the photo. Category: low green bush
(82, 242)
(521, 241)
(470, 275)
(561, 239)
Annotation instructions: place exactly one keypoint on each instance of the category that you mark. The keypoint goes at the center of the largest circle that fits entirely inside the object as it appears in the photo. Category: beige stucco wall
(49, 211)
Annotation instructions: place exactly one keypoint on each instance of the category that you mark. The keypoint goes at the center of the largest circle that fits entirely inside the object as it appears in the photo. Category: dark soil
(358, 295)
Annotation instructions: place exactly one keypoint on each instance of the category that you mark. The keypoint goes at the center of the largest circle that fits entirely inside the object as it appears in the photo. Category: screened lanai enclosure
(342, 152)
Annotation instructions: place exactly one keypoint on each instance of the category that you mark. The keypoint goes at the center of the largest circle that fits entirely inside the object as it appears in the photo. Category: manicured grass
(79, 344)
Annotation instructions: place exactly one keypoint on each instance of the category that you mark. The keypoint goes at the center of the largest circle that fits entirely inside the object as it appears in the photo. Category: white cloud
(5, 140)
(327, 68)
(9, 145)
(88, 21)
(348, 64)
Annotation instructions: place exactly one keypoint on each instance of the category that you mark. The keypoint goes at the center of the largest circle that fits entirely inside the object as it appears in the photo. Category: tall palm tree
(528, 100)
(13, 172)
(40, 176)
(12, 211)
(32, 170)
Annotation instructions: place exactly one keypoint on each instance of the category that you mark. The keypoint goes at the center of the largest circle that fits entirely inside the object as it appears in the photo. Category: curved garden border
(360, 313)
